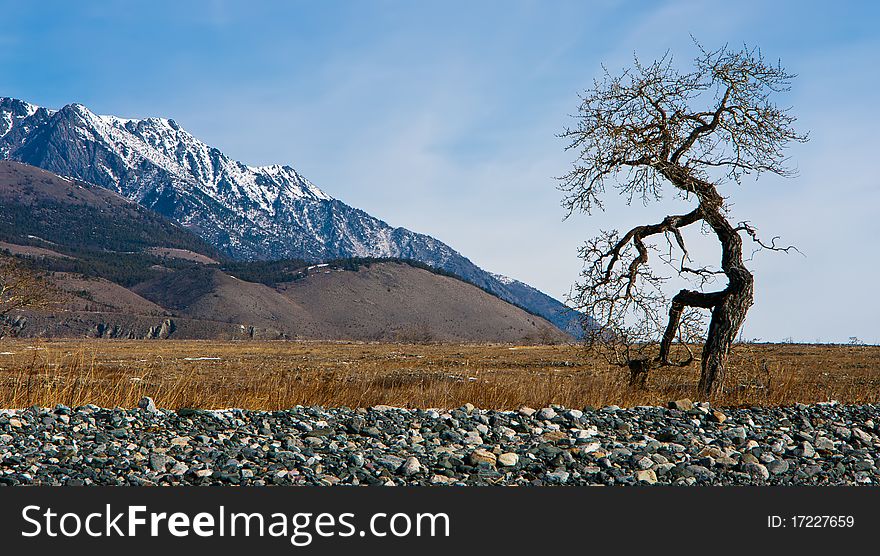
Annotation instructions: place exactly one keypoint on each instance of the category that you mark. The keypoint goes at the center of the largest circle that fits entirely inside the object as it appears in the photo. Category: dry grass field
(276, 375)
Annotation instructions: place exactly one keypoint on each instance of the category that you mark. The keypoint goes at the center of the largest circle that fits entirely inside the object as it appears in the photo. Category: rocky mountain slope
(122, 271)
(245, 212)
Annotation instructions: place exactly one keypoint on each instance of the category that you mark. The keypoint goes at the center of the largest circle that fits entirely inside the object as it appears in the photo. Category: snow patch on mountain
(506, 280)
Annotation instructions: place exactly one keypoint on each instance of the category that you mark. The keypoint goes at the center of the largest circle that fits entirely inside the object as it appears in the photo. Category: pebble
(546, 413)
(508, 459)
(157, 462)
(554, 436)
(717, 417)
(682, 405)
(777, 466)
(757, 471)
(558, 477)
(807, 450)
(411, 466)
(480, 455)
(644, 462)
(824, 444)
(147, 404)
(862, 436)
(817, 444)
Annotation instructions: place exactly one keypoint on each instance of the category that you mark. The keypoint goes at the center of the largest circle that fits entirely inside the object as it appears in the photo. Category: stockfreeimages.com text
(301, 528)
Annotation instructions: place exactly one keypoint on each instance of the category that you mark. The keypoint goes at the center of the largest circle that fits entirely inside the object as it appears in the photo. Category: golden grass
(278, 375)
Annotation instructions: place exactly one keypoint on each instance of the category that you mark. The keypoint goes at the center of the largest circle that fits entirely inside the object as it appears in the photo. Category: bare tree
(650, 126)
(20, 289)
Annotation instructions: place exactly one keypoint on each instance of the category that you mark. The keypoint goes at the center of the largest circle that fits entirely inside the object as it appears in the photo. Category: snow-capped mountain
(246, 212)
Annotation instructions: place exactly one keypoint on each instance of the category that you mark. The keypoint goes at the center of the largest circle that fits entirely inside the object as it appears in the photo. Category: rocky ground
(684, 444)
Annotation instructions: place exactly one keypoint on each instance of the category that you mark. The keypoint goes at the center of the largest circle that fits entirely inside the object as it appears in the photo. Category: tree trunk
(729, 306)
(727, 318)
(729, 312)
(684, 298)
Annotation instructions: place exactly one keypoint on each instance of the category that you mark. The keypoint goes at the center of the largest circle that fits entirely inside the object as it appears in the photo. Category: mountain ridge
(245, 212)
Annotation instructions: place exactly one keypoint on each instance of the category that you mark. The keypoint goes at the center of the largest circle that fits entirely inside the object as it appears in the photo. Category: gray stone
(326, 446)
(700, 472)
(824, 444)
(643, 462)
(146, 403)
(390, 462)
(179, 468)
(862, 436)
(777, 466)
(546, 414)
(558, 477)
(661, 469)
(807, 450)
(157, 462)
(411, 467)
(863, 465)
(757, 471)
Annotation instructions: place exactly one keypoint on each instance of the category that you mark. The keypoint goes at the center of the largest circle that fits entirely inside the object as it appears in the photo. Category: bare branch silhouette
(653, 126)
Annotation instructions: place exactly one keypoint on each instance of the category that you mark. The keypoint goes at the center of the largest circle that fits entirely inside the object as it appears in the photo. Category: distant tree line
(272, 273)
(125, 269)
(87, 227)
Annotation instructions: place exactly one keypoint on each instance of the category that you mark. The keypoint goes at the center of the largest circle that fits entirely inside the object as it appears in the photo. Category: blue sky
(441, 117)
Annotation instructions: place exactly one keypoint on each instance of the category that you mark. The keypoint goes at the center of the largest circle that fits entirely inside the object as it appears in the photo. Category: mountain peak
(75, 109)
(13, 111)
(19, 106)
(129, 145)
